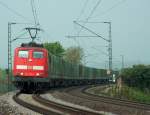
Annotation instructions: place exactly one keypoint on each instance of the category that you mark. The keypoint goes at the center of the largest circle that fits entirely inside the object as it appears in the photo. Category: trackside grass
(129, 93)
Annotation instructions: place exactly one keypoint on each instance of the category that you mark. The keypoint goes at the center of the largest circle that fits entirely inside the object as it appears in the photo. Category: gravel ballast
(9, 107)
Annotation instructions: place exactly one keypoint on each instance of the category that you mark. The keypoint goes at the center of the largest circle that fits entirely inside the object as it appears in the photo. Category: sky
(129, 20)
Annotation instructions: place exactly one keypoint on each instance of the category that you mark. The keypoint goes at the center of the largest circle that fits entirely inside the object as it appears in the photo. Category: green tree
(55, 48)
(137, 76)
(74, 55)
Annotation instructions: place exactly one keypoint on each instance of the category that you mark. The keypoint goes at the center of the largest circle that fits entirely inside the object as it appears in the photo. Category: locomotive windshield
(23, 54)
(37, 54)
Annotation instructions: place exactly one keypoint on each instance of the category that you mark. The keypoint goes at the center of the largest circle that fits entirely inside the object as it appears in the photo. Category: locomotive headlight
(21, 73)
(37, 74)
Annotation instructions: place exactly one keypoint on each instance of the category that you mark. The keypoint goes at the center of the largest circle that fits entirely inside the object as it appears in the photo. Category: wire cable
(111, 8)
(21, 34)
(78, 18)
(14, 12)
(92, 12)
(83, 9)
(34, 13)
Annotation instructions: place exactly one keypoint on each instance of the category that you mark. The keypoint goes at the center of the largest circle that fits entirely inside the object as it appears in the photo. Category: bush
(138, 76)
(129, 93)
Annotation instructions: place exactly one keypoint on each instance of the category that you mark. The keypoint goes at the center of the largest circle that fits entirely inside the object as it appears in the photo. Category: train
(35, 68)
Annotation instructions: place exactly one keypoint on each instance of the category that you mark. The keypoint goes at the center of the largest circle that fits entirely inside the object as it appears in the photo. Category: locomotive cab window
(38, 54)
(23, 54)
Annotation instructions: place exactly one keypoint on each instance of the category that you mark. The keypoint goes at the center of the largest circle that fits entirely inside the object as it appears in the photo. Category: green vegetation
(55, 48)
(129, 93)
(138, 76)
(4, 82)
(74, 55)
(134, 84)
(2, 74)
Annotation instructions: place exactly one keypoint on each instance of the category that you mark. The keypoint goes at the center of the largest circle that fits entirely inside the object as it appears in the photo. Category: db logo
(29, 67)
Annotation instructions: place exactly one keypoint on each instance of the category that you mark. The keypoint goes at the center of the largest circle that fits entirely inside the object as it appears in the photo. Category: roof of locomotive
(31, 45)
(31, 48)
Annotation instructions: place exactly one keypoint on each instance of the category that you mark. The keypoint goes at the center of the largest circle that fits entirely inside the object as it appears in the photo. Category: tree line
(137, 76)
(72, 54)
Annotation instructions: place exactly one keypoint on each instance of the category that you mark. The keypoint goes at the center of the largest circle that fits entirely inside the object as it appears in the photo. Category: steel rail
(33, 107)
(128, 103)
(64, 108)
(116, 101)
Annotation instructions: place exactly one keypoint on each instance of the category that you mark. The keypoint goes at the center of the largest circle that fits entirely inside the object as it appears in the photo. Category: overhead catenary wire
(109, 9)
(34, 13)
(99, 50)
(14, 12)
(92, 12)
(83, 9)
(19, 34)
(94, 9)
(92, 31)
(81, 13)
(22, 34)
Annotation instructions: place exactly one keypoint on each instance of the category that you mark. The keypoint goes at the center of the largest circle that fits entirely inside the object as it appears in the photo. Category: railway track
(64, 108)
(107, 105)
(60, 109)
(82, 93)
(32, 107)
(79, 93)
(117, 101)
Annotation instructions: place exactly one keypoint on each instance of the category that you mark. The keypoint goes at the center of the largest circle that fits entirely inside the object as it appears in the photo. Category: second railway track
(117, 101)
(78, 95)
(51, 107)
(82, 93)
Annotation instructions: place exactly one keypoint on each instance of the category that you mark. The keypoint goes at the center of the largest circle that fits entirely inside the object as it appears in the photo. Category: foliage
(74, 55)
(137, 76)
(129, 93)
(2, 74)
(55, 48)
(4, 82)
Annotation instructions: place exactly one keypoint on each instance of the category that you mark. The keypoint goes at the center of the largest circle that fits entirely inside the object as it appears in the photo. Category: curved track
(32, 107)
(60, 109)
(78, 95)
(117, 101)
(81, 97)
(64, 108)
(82, 93)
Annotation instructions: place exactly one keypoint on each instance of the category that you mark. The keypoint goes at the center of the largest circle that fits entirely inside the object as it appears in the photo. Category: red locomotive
(30, 65)
(30, 61)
